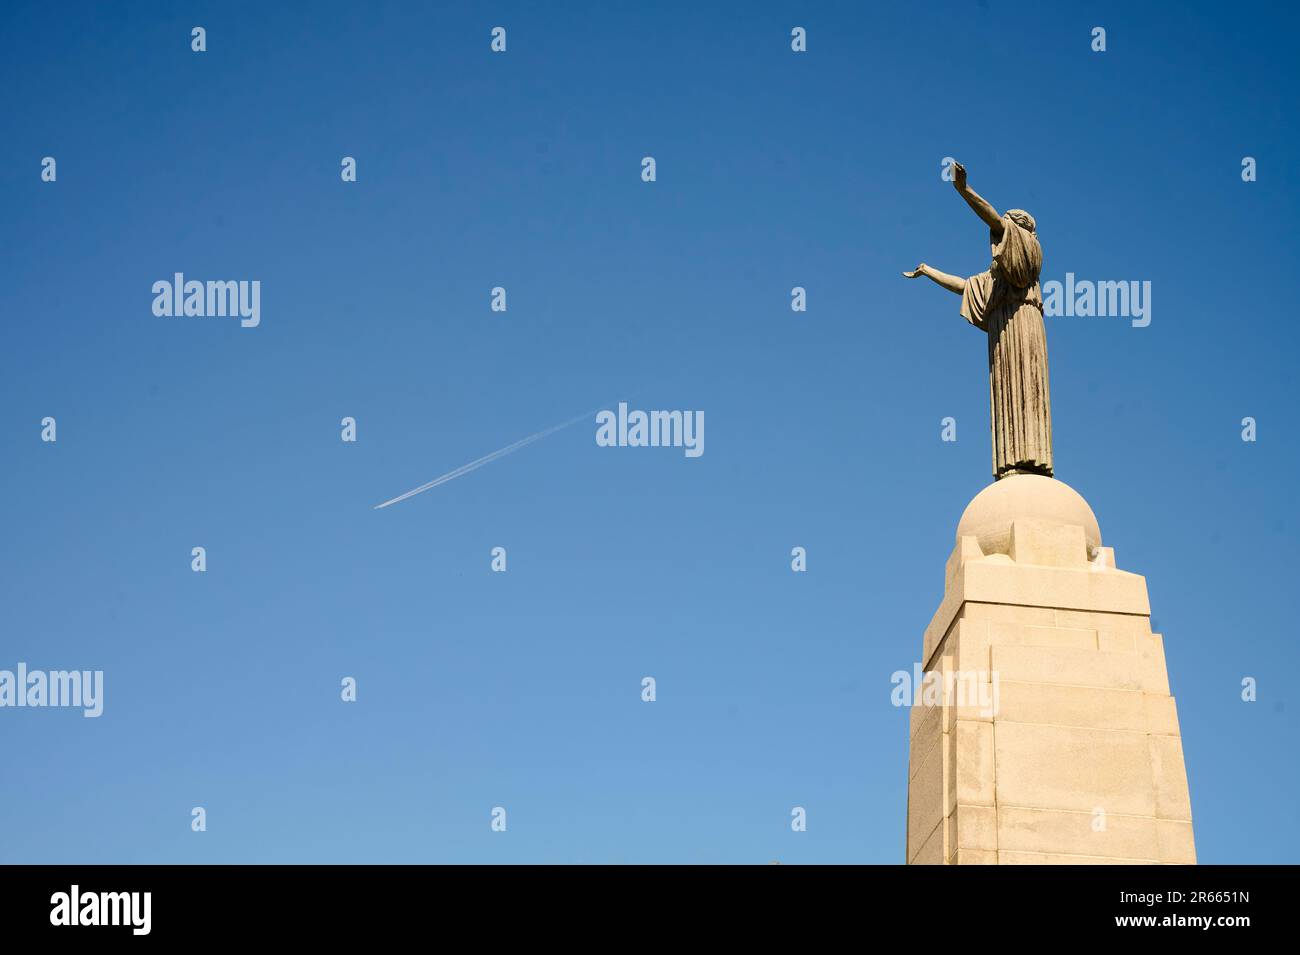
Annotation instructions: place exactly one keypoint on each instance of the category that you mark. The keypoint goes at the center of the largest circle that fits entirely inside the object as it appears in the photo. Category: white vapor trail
(486, 459)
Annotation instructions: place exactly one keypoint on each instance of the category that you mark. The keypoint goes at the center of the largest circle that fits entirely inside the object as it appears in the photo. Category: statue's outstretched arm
(952, 283)
(982, 207)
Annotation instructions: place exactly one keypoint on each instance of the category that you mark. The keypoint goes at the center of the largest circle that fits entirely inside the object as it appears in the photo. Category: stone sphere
(1025, 497)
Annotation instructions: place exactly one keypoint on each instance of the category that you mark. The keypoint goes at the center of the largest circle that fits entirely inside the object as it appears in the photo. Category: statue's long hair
(1023, 219)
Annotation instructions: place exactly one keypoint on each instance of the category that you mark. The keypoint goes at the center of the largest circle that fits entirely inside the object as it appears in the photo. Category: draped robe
(1006, 303)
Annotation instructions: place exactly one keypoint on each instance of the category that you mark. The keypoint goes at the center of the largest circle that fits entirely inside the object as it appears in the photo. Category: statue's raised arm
(983, 208)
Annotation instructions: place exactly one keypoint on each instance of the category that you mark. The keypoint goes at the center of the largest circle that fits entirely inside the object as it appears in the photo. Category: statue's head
(1022, 218)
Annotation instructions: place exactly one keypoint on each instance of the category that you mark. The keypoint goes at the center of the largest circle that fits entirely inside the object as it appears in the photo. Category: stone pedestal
(1046, 732)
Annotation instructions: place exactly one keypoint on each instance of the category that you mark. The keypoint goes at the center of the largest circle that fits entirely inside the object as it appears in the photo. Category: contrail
(486, 459)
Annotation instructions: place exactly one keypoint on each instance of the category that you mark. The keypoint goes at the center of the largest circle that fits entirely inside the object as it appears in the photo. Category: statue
(1005, 302)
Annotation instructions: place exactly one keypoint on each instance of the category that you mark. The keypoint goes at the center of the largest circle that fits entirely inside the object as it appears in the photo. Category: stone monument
(1045, 731)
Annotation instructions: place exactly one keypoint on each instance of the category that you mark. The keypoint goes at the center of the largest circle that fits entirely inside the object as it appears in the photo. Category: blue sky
(523, 170)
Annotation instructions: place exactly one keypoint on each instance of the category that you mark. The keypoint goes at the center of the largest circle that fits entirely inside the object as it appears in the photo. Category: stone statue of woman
(1005, 302)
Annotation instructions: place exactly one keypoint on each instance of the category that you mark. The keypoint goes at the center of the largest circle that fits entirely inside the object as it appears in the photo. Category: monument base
(1050, 735)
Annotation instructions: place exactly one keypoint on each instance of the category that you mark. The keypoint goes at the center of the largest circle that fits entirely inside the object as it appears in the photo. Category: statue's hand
(959, 176)
(917, 272)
